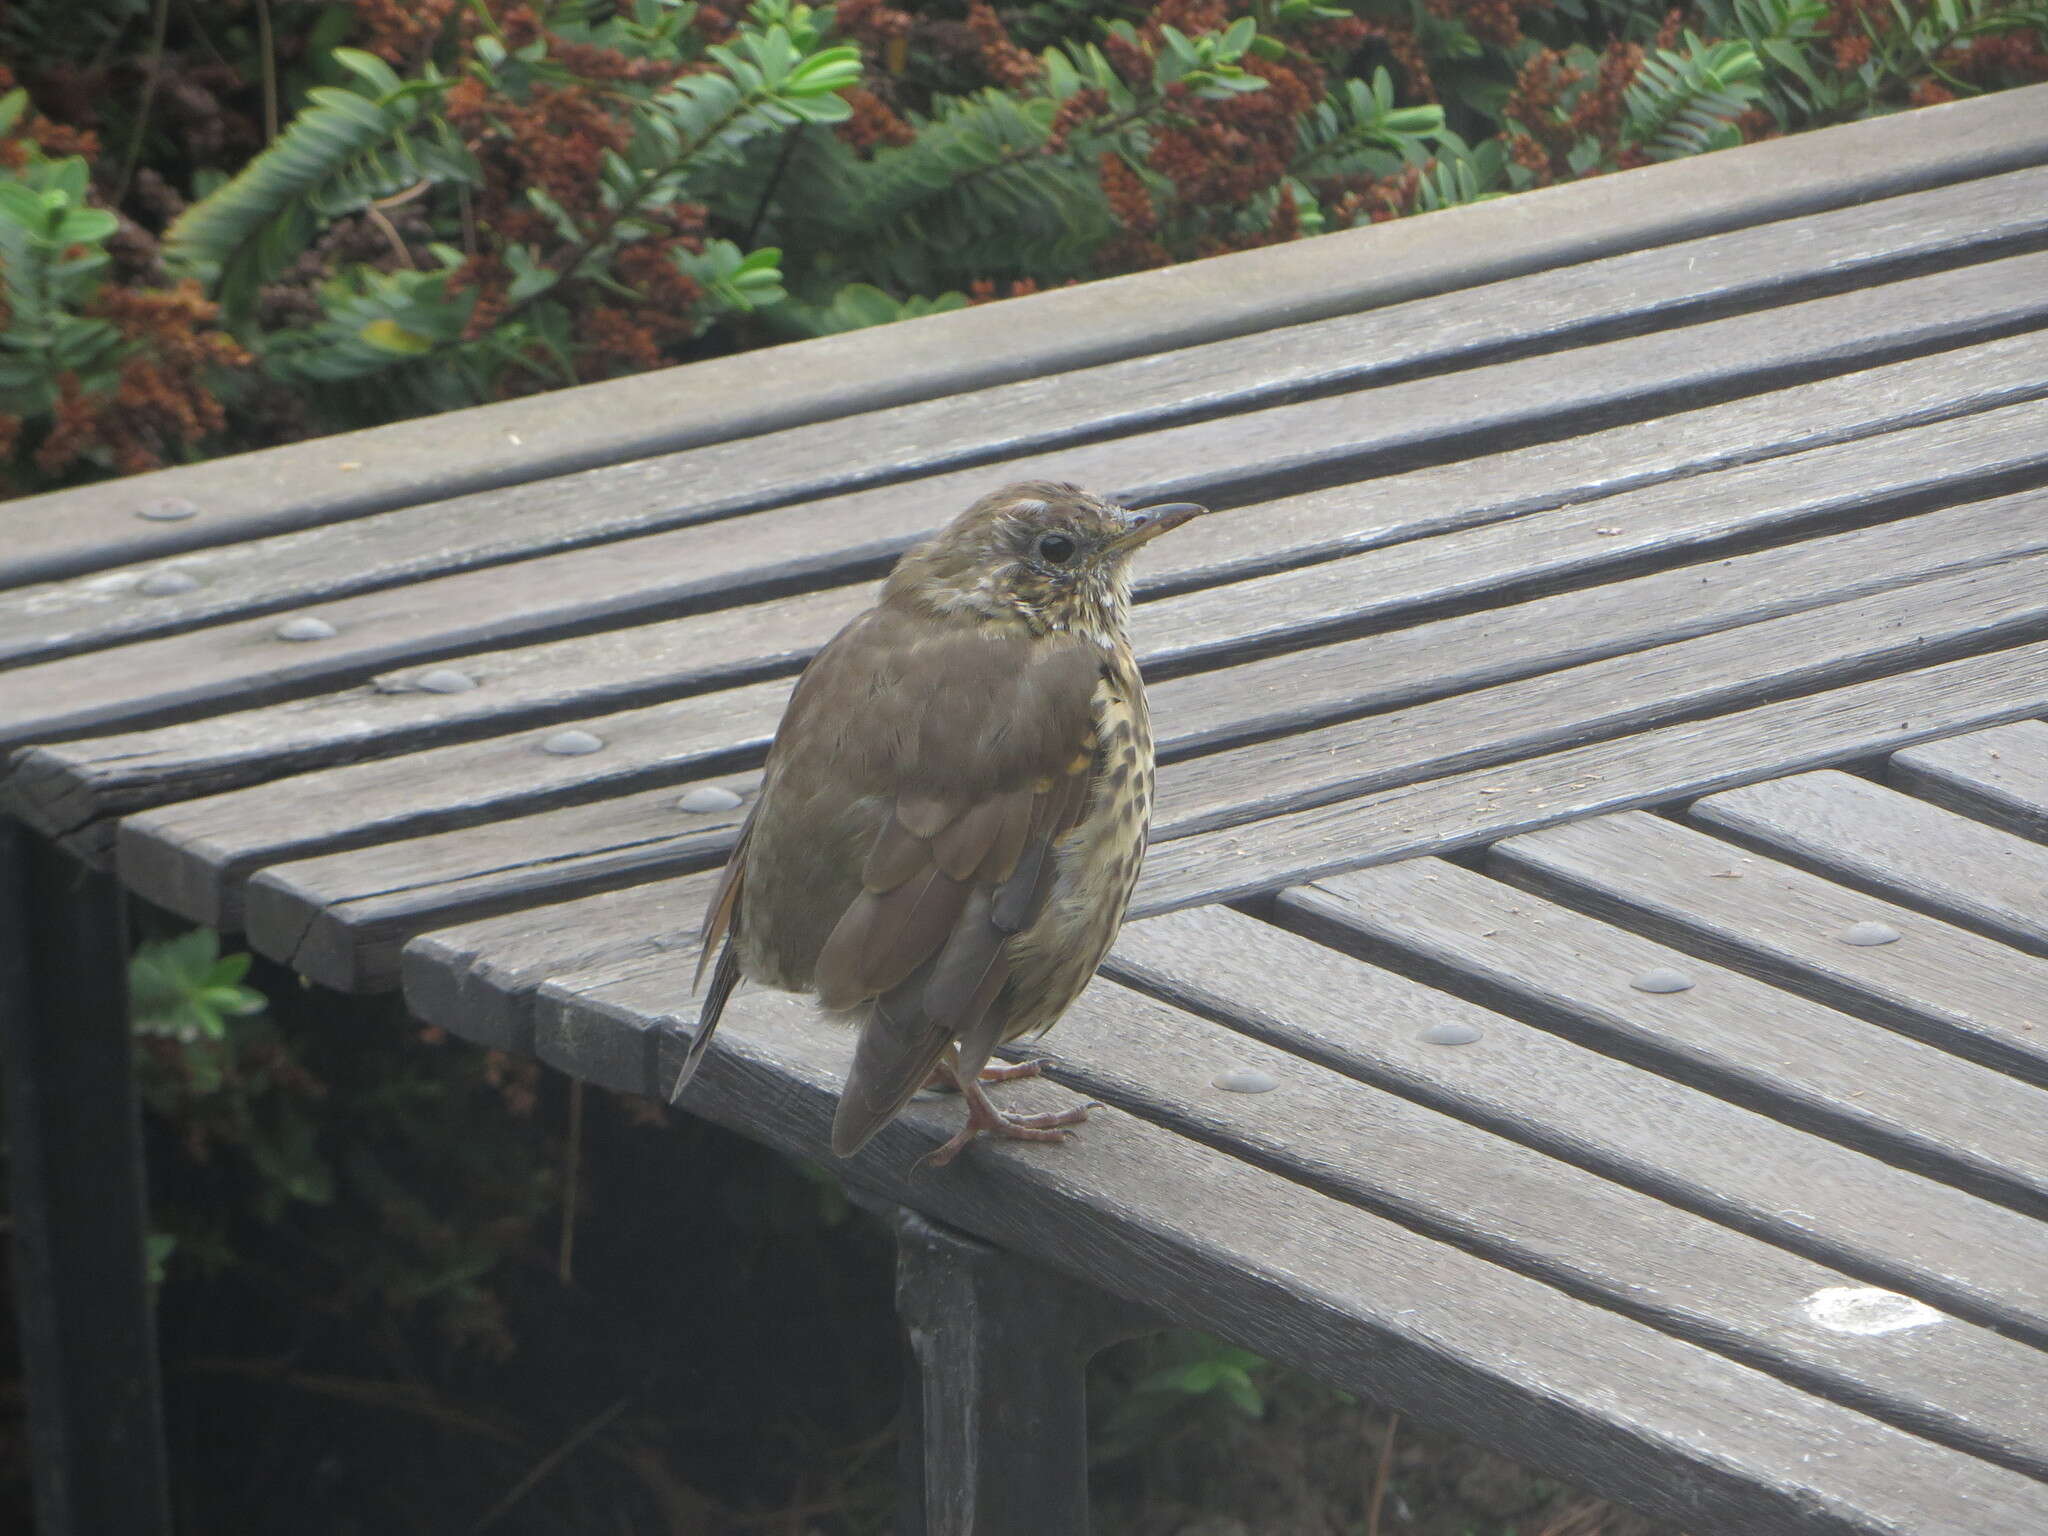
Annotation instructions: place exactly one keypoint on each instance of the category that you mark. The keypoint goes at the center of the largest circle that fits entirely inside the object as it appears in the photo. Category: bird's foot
(984, 1117)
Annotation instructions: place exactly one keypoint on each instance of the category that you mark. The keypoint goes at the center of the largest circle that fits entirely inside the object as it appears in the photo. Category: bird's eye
(1055, 549)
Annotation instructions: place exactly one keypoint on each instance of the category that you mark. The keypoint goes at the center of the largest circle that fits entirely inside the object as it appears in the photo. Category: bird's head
(1040, 554)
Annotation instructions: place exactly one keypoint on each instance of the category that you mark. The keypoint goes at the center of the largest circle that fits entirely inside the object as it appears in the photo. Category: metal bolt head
(1868, 935)
(1245, 1080)
(572, 743)
(1451, 1032)
(1661, 979)
(167, 509)
(706, 798)
(444, 680)
(167, 583)
(306, 627)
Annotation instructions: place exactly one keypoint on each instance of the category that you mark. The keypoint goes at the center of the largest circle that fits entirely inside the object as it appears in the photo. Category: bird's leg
(982, 1115)
(941, 1080)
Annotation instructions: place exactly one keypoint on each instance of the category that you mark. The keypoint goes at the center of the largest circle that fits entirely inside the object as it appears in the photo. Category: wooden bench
(1587, 985)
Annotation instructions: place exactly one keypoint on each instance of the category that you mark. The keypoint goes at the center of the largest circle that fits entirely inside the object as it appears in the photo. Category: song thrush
(955, 807)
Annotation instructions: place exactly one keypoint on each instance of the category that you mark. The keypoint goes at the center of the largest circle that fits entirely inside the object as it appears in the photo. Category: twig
(768, 188)
(160, 24)
(377, 217)
(266, 42)
(572, 1167)
(1380, 1477)
(549, 1462)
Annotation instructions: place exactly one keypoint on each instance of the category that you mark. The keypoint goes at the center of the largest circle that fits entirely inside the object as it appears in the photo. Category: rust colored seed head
(955, 807)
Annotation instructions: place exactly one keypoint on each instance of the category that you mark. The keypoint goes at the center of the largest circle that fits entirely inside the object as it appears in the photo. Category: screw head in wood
(706, 798)
(572, 744)
(306, 627)
(167, 509)
(1245, 1080)
(1868, 935)
(444, 680)
(1661, 979)
(1451, 1032)
(167, 583)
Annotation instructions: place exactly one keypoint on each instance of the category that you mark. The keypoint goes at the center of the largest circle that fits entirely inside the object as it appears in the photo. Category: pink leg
(984, 1116)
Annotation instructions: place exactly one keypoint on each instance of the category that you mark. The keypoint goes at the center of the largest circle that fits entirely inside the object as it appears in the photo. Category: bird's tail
(725, 976)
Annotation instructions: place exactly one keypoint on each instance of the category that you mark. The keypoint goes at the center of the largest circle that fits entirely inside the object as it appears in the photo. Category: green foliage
(52, 255)
(1685, 102)
(345, 150)
(1172, 1384)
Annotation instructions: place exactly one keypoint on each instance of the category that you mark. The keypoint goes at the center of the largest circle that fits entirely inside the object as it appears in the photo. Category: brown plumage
(954, 809)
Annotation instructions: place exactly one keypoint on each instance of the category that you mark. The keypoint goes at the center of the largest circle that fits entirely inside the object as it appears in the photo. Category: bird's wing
(988, 745)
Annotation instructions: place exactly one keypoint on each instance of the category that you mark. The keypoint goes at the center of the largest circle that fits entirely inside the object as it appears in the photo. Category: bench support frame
(995, 1434)
(88, 1336)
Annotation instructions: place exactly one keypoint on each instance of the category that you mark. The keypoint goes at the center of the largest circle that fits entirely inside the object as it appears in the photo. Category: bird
(954, 809)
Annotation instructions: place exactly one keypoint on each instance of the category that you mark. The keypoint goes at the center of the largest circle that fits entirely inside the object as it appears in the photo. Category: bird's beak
(1147, 523)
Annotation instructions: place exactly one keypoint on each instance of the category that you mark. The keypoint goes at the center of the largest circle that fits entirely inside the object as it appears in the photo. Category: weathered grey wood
(1639, 291)
(1999, 776)
(61, 788)
(1577, 1230)
(342, 918)
(998, 1438)
(477, 979)
(742, 559)
(518, 441)
(1447, 1338)
(1943, 984)
(192, 857)
(1861, 834)
(1691, 758)
(1625, 1124)
(1727, 1033)
(1821, 647)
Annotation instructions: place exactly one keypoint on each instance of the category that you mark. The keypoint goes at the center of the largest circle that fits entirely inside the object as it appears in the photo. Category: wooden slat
(1618, 1120)
(1691, 758)
(816, 543)
(298, 913)
(61, 788)
(1361, 1302)
(1803, 652)
(378, 895)
(478, 978)
(1999, 776)
(1861, 834)
(1592, 1238)
(518, 441)
(1636, 292)
(1727, 1034)
(1941, 983)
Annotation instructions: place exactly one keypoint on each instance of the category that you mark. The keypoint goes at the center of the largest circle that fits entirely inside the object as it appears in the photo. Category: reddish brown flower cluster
(2018, 56)
(1536, 107)
(1081, 107)
(1007, 65)
(878, 27)
(162, 400)
(985, 291)
(874, 123)
(400, 31)
(1129, 203)
(1224, 153)
(1491, 21)
(55, 140)
(1602, 107)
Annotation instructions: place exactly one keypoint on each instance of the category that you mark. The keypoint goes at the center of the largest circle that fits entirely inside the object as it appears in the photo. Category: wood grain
(61, 787)
(1690, 758)
(1999, 776)
(1940, 983)
(305, 485)
(744, 559)
(1574, 1229)
(340, 919)
(374, 897)
(1861, 834)
(1622, 1122)
(1644, 290)
(1727, 1034)
(1361, 1302)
